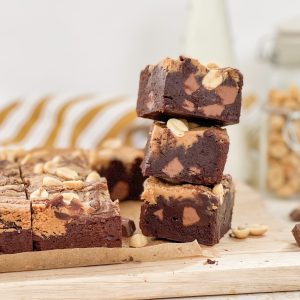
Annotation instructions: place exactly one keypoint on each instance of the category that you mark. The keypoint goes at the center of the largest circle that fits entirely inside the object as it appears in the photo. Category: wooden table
(261, 264)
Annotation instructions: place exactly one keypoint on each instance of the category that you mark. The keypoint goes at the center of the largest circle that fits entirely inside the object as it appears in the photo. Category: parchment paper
(67, 258)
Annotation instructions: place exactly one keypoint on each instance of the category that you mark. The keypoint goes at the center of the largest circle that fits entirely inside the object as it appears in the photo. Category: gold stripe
(5, 112)
(60, 118)
(88, 117)
(118, 127)
(29, 123)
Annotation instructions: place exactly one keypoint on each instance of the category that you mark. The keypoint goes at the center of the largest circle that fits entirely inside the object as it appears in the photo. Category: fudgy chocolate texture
(296, 233)
(185, 213)
(128, 227)
(15, 215)
(121, 168)
(197, 157)
(186, 89)
(71, 206)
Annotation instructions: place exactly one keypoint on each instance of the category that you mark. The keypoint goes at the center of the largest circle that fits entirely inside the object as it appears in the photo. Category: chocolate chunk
(184, 88)
(296, 233)
(128, 227)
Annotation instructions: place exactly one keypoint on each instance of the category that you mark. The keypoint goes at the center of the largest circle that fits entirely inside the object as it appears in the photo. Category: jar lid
(284, 45)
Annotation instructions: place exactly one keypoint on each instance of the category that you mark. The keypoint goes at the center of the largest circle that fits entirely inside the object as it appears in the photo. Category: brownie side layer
(186, 89)
(81, 234)
(15, 241)
(202, 218)
(198, 157)
(123, 183)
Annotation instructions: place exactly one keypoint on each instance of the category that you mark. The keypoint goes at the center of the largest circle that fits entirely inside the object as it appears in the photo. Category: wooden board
(258, 264)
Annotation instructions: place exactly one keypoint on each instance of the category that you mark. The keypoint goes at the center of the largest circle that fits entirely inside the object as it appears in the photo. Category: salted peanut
(278, 150)
(286, 191)
(50, 167)
(213, 79)
(93, 176)
(39, 194)
(51, 181)
(258, 229)
(274, 137)
(218, 190)
(105, 153)
(177, 127)
(276, 122)
(240, 232)
(70, 196)
(93, 157)
(38, 168)
(212, 65)
(112, 143)
(26, 159)
(56, 159)
(73, 184)
(66, 173)
(275, 176)
(138, 240)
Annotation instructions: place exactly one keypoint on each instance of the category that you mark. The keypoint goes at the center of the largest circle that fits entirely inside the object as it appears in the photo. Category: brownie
(186, 89)
(121, 168)
(71, 206)
(296, 233)
(185, 213)
(197, 157)
(128, 227)
(15, 215)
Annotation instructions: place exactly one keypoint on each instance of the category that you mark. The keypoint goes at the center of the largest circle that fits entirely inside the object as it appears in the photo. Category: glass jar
(280, 145)
(280, 134)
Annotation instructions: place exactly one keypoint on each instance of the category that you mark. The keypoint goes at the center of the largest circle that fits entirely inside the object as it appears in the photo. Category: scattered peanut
(66, 173)
(138, 240)
(38, 168)
(258, 229)
(177, 127)
(70, 196)
(218, 190)
(240, 232)
(50, 167)
(51, 181)
(93, 176)
(213, 79)
(73, 184)
(39, 194)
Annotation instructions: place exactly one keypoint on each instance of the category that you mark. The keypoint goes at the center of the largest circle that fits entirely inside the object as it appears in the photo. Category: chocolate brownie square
(196, 156)
(184, 88)
(185, 213)
(71, 207)
(121, 168)
(15, 215)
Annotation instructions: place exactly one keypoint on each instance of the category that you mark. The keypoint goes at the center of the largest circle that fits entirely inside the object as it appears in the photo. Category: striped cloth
(72, 120)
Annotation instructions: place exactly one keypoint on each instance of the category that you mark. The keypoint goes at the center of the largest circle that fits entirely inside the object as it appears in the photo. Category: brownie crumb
(210, 261)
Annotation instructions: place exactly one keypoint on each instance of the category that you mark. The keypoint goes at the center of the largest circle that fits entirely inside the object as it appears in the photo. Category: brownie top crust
(155, 188)
(160, 133)
(184, 88)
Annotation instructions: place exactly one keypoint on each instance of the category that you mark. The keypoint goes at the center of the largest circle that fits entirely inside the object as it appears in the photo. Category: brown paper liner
(66, 258)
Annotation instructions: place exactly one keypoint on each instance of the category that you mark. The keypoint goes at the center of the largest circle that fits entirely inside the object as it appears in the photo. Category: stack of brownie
(187, 197)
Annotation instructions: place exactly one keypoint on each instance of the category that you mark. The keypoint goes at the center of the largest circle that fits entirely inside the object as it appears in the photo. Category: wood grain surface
(257, 264)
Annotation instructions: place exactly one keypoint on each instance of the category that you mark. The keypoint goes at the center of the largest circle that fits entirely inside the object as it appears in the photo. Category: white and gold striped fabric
(70, 120)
